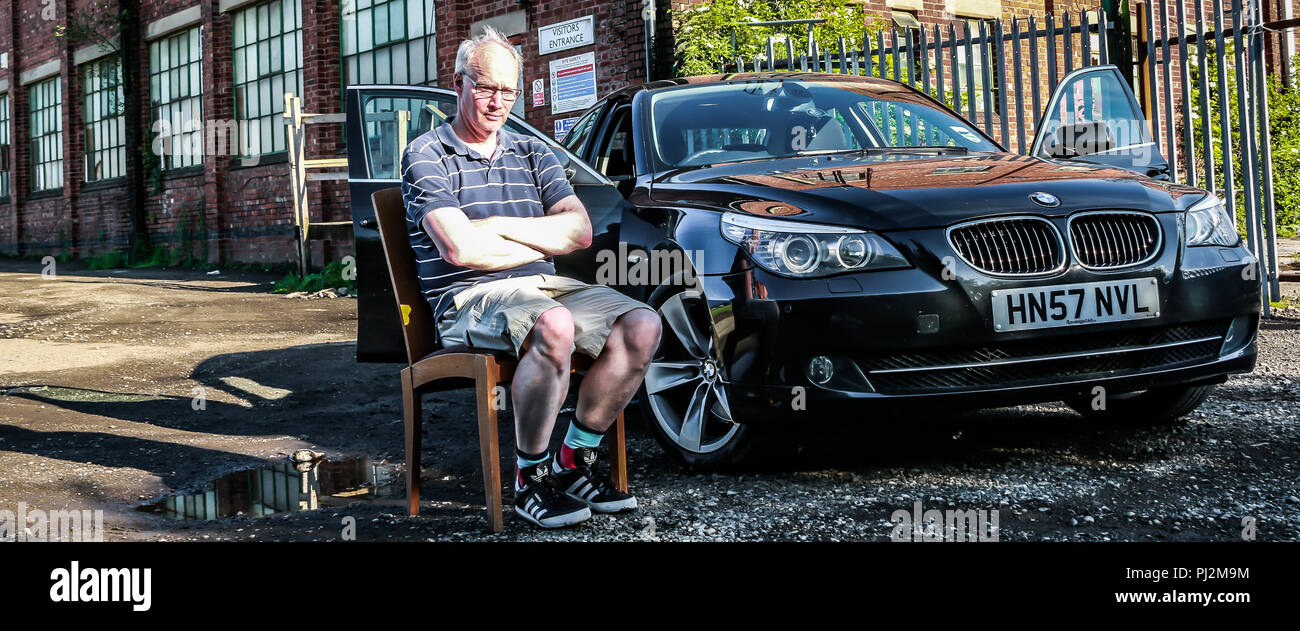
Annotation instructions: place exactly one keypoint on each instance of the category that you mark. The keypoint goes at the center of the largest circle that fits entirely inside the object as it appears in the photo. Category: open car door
(376, 141)
(1093, 116)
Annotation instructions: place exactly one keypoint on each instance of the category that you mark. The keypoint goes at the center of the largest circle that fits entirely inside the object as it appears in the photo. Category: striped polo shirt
(521, 179)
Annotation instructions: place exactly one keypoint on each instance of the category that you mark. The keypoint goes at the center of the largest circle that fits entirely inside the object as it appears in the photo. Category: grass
(163, 256)
(1290, 302)
(328, 278)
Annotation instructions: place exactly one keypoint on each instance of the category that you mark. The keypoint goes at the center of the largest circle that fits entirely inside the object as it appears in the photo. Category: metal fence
(999, 76)
(1196, 76)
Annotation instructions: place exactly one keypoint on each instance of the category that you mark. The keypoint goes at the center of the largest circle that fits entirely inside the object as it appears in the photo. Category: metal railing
(999, 77)
(980, 69)
(1184, 97)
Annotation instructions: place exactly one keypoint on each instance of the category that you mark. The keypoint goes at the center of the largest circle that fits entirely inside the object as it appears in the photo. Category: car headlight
(1208, 223)
(805, 250)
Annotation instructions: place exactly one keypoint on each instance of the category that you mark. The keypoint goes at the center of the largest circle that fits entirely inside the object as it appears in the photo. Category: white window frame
(267, 45)
(104, 150)
(46, 132)
(406, 54)
(176, 98)
(6, 169)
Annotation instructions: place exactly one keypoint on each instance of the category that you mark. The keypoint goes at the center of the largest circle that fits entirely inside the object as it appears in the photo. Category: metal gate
(999, 77)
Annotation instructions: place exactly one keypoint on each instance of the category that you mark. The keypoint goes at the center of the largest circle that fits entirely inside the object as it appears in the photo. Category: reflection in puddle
(290, 487)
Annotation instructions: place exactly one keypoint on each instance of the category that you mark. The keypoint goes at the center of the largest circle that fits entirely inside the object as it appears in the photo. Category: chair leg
(413, 416)
(489, 373)
(618, 455)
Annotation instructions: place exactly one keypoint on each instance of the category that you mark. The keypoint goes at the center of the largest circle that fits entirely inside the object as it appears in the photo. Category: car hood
(898, 192)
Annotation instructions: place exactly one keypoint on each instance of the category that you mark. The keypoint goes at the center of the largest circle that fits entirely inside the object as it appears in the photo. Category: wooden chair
(433, 369)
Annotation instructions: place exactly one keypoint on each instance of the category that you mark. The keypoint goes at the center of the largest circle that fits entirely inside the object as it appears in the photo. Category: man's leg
(540, 383)
(620, 365)
(542, 379)
(617, 373)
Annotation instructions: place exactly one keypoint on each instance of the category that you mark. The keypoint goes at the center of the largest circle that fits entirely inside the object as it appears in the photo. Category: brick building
(219, 192)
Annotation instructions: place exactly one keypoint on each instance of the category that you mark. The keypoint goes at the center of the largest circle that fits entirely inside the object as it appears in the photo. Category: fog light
(1238, 335)
(820, 370)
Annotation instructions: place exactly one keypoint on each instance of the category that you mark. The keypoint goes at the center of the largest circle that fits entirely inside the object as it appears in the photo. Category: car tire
(686, 376)
(1148, 407)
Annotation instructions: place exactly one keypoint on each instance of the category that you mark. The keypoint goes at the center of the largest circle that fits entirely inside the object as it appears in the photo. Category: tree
(704, 32)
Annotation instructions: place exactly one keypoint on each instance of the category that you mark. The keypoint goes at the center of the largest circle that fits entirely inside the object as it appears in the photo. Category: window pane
(365, 31)
(390, 41)
(381, 26)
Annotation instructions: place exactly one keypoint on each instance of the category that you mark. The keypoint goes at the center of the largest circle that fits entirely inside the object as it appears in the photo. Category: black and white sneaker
(584, 484)
(542, 503)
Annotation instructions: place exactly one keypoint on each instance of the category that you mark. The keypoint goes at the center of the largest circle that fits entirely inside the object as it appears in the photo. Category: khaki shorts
(499, 314)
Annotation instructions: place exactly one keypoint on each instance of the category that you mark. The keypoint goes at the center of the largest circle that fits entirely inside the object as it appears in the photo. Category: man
(496, 206)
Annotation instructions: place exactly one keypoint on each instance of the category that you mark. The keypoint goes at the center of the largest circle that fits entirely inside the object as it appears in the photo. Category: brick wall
(617, 66)
(224, 211)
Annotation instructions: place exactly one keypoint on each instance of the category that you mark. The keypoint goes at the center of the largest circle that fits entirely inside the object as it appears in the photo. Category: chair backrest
(413, 309)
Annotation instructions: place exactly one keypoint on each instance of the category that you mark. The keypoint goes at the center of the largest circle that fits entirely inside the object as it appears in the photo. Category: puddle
(284, 488)
(57, 393)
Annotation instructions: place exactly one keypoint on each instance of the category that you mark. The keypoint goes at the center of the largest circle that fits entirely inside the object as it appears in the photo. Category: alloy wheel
(686, 385)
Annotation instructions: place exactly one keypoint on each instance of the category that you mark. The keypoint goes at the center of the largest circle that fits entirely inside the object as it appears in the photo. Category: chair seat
(501, 356)
(579, 361)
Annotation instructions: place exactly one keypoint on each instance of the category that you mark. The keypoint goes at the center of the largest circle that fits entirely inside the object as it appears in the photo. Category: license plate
(1071, 305)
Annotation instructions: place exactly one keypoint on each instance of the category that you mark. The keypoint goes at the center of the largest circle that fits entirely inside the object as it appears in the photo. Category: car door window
(577, 139)
(615, 156)
(1093, 114)
(380, 117)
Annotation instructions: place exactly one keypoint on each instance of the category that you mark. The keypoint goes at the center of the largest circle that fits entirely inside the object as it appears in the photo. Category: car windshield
(746, 120)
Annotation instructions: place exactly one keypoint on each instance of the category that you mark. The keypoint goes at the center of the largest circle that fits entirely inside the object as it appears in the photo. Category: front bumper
(910, 336)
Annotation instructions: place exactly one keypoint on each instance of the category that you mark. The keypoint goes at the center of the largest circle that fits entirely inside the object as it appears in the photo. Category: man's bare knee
(640, 330)
(552, 336)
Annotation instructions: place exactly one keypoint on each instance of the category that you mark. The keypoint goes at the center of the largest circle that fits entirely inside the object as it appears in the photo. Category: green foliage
(328, 278)
(1284, 131)
(704, 32)
(153, 168)
(112, 259)
(95, 23)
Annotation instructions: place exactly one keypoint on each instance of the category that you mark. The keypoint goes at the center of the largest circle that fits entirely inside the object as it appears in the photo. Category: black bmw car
(817, 242)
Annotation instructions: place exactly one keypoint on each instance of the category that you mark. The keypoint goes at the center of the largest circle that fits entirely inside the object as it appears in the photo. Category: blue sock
(525, 459)
(580, 435)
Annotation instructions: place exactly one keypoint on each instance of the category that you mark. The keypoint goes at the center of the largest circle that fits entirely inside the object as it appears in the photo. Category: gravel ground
(121, 354)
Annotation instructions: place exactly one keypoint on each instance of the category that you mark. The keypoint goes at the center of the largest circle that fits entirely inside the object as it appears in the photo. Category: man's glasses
(486, 92)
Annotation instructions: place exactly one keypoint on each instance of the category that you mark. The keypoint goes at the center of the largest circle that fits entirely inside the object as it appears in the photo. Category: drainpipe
(648, 10)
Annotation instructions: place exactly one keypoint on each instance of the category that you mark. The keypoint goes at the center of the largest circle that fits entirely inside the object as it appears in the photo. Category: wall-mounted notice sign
(573, 83)
(539, 92)
(562, 127)
(566, 35)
